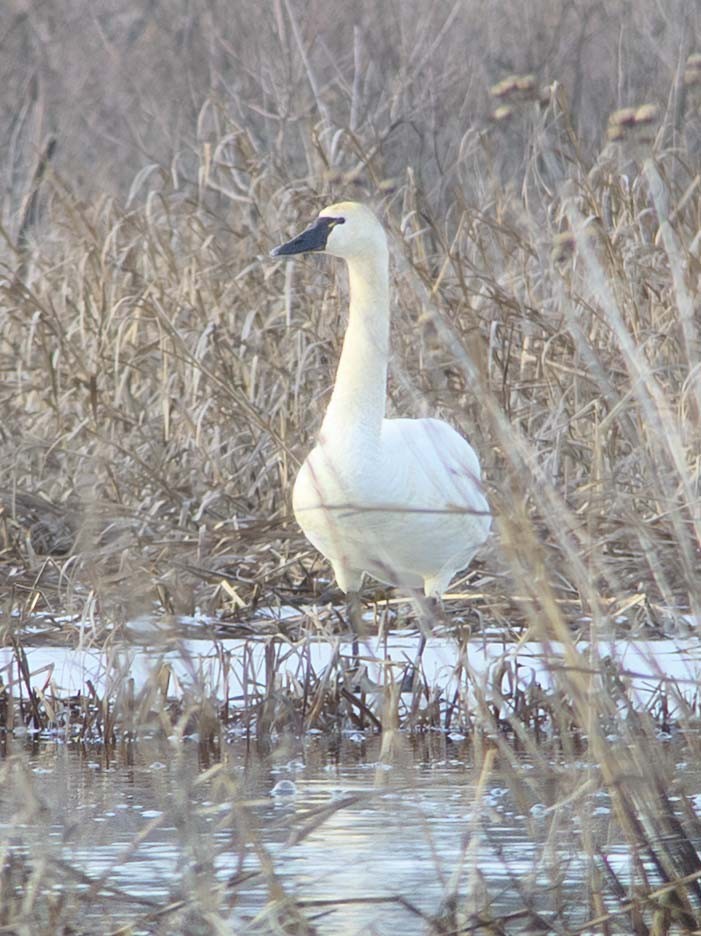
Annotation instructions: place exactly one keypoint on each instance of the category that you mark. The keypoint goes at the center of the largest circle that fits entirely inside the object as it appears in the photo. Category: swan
(399, 499)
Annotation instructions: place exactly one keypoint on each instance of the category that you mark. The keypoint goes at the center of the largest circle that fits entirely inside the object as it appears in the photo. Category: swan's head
(347, 230)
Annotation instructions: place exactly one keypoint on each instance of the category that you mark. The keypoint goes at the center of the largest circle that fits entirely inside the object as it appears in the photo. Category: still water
(354, 834)
(364, 847)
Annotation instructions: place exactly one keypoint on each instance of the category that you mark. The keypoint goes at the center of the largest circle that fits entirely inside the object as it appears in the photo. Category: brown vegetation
(161, 377)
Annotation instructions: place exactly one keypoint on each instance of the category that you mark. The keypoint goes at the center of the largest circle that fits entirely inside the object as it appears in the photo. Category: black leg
(355, 617)
(428, 611)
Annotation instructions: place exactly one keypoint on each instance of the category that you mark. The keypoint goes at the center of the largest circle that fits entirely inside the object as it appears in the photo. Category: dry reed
(162, 380)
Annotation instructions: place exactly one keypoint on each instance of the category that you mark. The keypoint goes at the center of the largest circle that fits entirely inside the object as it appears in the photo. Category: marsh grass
(554, 753)
(162, 379)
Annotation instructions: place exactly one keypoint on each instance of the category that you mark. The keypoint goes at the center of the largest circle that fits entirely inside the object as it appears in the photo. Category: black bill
(314, 238)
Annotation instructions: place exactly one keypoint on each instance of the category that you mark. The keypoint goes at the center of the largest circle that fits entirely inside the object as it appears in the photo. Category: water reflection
(370, 848)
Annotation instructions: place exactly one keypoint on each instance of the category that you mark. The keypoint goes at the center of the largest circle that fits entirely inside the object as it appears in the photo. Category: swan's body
(400, 499)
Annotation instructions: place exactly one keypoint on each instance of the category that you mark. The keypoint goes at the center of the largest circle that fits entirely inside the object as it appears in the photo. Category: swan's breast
(334, 492)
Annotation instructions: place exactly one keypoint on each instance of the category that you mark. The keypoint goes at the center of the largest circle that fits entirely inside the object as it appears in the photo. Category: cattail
(513, 91)
(692, 70)
(620, 123)
(503, 112)
(634, 124)
(646, 114)
(563, 247)
(692, 80)
(567, 243)
(516, 88)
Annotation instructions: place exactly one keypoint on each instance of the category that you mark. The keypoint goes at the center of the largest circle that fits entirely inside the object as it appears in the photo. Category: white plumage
(400, 499)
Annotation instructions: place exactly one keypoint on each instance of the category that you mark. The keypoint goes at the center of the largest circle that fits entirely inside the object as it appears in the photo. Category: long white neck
(358, 399)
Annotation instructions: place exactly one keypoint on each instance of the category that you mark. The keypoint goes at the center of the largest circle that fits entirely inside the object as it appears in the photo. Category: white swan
(400, 499)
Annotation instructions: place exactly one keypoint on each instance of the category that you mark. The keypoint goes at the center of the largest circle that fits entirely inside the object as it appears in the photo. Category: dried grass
(162, 378)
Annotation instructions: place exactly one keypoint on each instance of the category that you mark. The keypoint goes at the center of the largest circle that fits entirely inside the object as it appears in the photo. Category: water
(374, 848)
(165, 832)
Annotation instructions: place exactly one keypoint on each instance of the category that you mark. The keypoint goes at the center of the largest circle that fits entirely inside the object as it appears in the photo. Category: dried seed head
(502, 88)
(566, 244)
(646, 114)
(516, 87)
(388, 185)
(563, 247)
(525, 83)
(692, 70)
(503, 112)
(625, 117)
(633, 123)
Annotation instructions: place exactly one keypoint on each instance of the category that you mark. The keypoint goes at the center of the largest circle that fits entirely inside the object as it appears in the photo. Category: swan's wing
(415, 515)
(439, 467)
